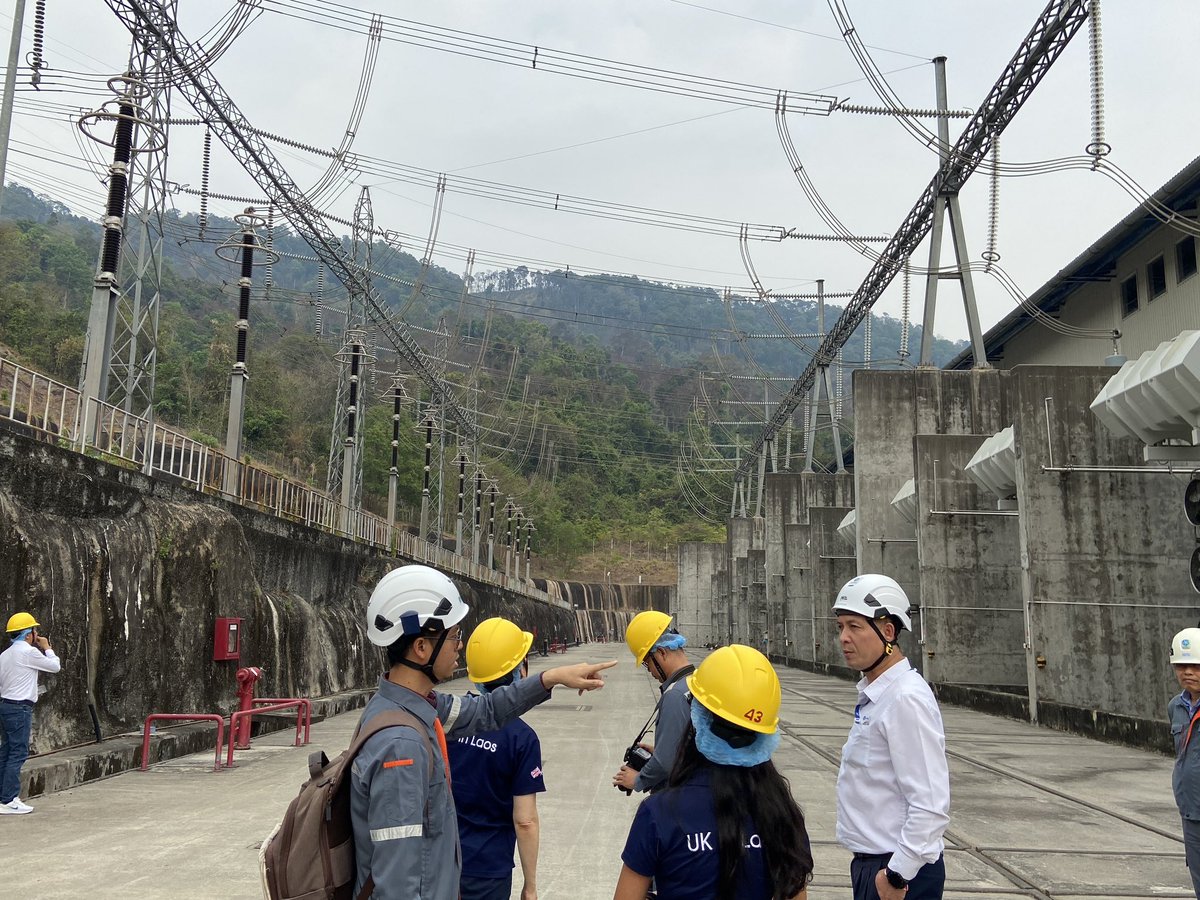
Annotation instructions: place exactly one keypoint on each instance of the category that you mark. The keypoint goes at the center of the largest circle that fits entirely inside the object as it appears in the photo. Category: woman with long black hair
(726, 827)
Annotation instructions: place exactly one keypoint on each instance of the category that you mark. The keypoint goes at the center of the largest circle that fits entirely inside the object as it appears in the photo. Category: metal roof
(1097, 263)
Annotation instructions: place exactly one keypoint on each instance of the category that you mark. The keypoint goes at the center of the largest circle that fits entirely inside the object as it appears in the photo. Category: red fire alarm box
(227, 639)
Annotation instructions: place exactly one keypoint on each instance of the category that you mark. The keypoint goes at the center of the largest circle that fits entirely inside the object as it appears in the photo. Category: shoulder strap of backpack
(392, 719)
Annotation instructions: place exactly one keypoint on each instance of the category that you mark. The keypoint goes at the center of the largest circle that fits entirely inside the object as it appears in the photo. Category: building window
(1156, 278)
(1129, 296)
(1185, 258)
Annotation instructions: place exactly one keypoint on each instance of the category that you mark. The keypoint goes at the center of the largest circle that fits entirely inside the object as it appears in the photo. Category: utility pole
(946, 203)
(491, 544)
(349, 382)
(399, 395)
(462, 486)
(427, 426)
(477, 530)
(10, 89)
(121, 346)
(239, 249)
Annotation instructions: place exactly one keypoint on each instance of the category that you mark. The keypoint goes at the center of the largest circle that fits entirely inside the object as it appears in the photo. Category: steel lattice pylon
(1053, 30)
(341, 440)
(121, 349)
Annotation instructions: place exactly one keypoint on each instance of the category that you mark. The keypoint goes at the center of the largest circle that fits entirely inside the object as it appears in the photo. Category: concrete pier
(1036, 813)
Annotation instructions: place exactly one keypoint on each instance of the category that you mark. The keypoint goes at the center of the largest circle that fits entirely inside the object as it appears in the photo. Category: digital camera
(636, 758)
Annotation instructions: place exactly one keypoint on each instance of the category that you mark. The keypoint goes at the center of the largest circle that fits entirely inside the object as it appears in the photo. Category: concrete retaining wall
(127, 575)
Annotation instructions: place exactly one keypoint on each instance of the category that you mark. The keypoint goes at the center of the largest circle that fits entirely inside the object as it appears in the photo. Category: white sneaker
(25, 807)
(14, 807)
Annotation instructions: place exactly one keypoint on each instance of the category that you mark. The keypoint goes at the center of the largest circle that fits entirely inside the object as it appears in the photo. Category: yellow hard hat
(495, 648)
(738, 684)
(644, 631)
(20, 621)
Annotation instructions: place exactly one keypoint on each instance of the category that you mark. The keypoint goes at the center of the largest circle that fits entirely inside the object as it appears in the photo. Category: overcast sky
(532, 128)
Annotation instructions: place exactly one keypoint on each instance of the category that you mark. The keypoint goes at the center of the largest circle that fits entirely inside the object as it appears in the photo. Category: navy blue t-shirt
(673, 839)
(487, 770)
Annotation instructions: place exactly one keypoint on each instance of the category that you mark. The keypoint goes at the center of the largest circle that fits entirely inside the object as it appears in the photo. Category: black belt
(865, 856)
(17, 702)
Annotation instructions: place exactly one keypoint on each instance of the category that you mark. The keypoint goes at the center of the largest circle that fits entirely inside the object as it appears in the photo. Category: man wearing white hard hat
(1183, 712)
(401, 805)
(893, 787)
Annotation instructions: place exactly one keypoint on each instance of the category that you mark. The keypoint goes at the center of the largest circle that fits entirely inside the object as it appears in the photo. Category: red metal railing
(305, 706)
(183, 717)
(237, 717)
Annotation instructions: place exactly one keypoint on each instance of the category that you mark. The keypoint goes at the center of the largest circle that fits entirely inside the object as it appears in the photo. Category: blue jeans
(928, 884)
(16, 723)
(471, 888)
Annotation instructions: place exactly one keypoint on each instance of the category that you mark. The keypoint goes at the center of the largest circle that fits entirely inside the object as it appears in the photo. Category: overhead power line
(546, 59)
(1051, 33)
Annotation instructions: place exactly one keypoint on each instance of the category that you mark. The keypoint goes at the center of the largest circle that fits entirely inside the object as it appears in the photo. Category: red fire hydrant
(246, 677)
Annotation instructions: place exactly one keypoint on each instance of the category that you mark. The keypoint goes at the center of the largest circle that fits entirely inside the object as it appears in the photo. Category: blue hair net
(716, 750)
(670, 642)
(20, 635)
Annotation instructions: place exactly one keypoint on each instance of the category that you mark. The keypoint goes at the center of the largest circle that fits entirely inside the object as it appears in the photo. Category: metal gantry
(1049, 37)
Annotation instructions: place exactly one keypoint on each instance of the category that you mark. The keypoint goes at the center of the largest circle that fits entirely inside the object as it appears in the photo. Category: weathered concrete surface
(603, 610)
(1035, 813)
(694, 608)
(798, 512)
(127, 575)
(1105, 558)
(890, 409)
(971, 626)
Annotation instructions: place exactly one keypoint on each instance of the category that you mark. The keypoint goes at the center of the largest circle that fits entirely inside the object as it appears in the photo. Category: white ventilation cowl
(994, 465)
(848, 529)
(905, 501)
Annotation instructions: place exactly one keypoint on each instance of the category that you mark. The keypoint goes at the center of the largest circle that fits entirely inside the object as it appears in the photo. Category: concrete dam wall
(128, 575)
(603, 610)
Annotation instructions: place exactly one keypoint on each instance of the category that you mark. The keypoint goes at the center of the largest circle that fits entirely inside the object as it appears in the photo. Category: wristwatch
(895, 879)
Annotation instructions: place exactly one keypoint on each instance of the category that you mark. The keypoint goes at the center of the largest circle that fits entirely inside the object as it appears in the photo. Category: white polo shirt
(893, 787)
(19, 667)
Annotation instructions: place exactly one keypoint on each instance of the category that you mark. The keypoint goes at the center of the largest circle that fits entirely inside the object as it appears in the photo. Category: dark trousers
(16, 723)
(928, 885)
(471, 888)
(1191, 852)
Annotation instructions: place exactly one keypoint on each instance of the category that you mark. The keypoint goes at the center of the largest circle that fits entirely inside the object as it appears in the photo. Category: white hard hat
(873, 596)
(412, 600)
(1185, 647)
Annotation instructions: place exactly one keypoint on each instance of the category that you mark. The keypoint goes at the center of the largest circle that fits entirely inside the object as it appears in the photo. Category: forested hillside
(585, 386)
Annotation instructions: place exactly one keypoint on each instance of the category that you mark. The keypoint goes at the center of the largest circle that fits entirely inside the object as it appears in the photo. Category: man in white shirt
(26, 654)
(893, 788)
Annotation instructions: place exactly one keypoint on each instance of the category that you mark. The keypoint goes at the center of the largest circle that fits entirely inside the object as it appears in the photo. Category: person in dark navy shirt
(757, 848)
(497, 775)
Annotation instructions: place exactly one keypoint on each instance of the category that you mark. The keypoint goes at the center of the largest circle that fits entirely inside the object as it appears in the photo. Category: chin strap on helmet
(426, 669)
(888, 646)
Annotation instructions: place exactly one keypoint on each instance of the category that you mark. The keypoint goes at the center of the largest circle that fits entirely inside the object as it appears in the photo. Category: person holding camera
(497, 775)
(726, 827)
(27, 654)
(659, 647)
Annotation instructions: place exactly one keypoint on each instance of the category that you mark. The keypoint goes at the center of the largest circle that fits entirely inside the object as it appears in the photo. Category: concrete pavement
(1035, 813)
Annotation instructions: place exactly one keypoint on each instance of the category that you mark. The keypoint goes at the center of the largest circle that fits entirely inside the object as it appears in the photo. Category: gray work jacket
(405, 827)
(1186, 777)
(674, 719)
